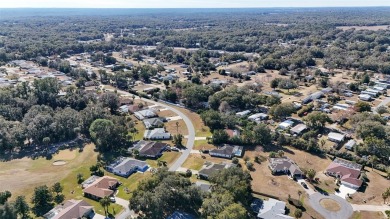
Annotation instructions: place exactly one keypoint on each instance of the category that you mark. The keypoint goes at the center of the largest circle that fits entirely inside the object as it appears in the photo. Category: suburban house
(133, 108)
(124, 109)
(346, 171)
(157, 134)
(205, 187)
(227, 151)
(298, 129)
(71, 209)
(209, 169)
(273, 209)
(143, 114)
(286, 124)
(350, 145)
(284, 166)
(102, 187)
(336, 137)
(150, 148)
(153, 123)
(181, 215)
(89, 181)
(126, 166)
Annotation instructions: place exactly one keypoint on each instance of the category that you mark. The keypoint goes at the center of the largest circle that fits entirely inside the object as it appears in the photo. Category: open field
(374, 28)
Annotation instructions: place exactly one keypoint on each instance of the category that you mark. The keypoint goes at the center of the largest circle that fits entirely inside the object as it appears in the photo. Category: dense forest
(279, 38)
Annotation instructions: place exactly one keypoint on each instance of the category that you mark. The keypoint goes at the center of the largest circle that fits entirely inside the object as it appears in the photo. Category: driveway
(344, 190)
(309, 190)
(370, 207)
(125, 213)
(190, 127)
(383, 103)
(345, 211)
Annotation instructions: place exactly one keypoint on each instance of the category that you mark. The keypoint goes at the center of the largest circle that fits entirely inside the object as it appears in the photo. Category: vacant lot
(176, 127)
(203, 145)
(194, 162)
(200, 129)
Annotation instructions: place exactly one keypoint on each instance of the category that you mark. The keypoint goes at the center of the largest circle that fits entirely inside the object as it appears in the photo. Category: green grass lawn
(202, 144)
(168, 157)
(140, 129)
(131, 184)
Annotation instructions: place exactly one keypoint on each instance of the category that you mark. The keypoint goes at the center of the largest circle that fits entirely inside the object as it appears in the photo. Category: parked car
(304, 185)
(175, 149)
(112, 199)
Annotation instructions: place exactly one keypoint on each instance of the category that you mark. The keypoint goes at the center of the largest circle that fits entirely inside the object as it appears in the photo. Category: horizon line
(277, 7)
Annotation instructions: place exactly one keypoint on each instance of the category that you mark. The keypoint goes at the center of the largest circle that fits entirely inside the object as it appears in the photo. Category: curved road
(190, 127)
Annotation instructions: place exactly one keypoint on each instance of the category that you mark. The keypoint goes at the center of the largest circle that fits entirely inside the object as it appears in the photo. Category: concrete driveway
(345, 211)
(309, 190)
(125, 213)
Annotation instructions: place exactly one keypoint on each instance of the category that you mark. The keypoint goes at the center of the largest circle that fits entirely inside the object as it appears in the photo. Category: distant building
(286, 124)
(298, 129)
(243, 113)
(365, 97)
(258, 116)
(147, 113)
(312, 97)
(350, 145)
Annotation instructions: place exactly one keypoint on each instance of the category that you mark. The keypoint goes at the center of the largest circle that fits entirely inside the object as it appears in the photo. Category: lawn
(201, 130)
(194, 162)
(140, 129)
(169, 157)
(202, 145)
(131, 184)
(367, 214)
(172, 128)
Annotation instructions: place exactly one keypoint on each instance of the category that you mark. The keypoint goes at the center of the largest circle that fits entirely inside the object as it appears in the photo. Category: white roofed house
(365, 97)
(258, 116)
(147, 113)
(243, 113)
(298, 129)
(157, 134)
(350, 144)
(273, 209)
(286, 124)
(336, 137)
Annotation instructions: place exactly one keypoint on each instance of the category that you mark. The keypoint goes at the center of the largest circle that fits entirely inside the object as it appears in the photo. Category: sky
(186, 3)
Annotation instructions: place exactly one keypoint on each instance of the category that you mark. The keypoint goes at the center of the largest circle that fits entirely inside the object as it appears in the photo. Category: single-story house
(71, 209)
(126, 166)
(243, 113)
(346, 171)
(227, 151)
(286, 124)
(133, 108)
(147, 113)
(372, 94)
(312, 97)
(205, 187)
(124, 109)
(365, 97)
(298, 129)
(154, 150)
(102, 187)
(181, 215)
(285, 166)
(208, 170)
(232, 133)
(157, 134)
(89, 181)
(153, 122)
(350, 144)
(258, 116)
(336, 137)
(273, 209)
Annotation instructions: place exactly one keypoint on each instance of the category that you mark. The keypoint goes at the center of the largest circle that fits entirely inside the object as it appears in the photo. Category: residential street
(190, 127)
(383, 103)
(127, 212)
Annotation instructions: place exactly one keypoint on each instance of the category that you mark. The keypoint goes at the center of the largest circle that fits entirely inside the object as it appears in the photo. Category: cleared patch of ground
(194, 162)
(374, 28)
(176, 127)
(166, 113)
(330, 205)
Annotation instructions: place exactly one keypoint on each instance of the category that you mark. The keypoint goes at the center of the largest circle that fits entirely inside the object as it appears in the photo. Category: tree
(166, 83)
(249, 165)
(178, 140)
(381, 110)
(262, 134)
(233, 211)
(80, 178)
(275, 83)
(311, 173)
(4, 196)
(105, 203)
(317, 120)
(282, 110)
(373, 160)
(21, 207)
(298, 213)
(42, 200)
(220, 136)
(57, 188)
(7, 211)
(280, 153)
(362, 106)
(111, 101)
(287, 84)
(102, 132)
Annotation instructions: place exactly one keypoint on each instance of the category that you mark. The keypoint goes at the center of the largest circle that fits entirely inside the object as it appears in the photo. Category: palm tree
(311, 174)
(299, 194)
(177, 127)
(105, 203)
(385, 195)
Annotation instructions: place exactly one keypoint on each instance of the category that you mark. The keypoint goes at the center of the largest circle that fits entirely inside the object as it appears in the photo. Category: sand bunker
(59, 163)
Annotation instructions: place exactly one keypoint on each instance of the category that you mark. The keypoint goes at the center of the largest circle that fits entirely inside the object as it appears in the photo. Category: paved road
(383, 103)
(346, 209)
(127, 212)
(190, 127)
